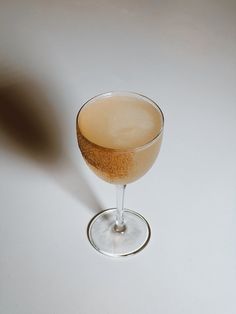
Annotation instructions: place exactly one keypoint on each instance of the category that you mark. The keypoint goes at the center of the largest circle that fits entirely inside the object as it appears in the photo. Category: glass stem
(120, 224)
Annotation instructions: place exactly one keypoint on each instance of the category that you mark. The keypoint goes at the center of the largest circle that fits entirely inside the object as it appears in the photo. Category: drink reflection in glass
(119, 135)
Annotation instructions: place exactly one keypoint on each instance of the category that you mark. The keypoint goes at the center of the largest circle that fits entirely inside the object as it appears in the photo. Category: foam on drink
(120, 122)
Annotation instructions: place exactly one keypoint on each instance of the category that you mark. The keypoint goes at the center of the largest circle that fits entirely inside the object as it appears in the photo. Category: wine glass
(119, 135)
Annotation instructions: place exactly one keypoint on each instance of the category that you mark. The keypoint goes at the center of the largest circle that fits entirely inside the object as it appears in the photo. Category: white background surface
(180, 53)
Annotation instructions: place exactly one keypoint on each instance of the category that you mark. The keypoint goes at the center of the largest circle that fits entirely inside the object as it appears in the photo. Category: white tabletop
(56, 54)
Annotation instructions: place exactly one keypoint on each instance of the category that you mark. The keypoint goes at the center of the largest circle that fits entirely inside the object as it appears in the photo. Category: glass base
(106, 240)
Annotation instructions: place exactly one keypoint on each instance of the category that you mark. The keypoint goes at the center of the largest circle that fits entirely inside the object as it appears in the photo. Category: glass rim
(141, 147)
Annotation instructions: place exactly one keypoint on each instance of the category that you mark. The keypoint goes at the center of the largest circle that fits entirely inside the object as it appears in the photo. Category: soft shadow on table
(30, 127)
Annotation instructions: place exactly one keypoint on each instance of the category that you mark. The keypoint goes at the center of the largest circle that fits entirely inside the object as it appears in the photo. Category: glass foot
(106, 240)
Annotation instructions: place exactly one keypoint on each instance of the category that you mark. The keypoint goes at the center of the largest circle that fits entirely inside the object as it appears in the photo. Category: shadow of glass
(24, 122)
(30, 127)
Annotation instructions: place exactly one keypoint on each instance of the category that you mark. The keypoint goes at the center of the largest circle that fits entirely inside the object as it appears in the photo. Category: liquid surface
(120, 122)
